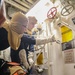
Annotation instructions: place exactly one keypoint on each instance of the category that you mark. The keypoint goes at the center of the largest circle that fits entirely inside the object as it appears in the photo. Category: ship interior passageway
(55, 26)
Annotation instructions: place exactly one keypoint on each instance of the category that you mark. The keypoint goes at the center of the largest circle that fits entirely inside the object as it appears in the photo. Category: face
(22, 28)
(31, 22)
(31, 25)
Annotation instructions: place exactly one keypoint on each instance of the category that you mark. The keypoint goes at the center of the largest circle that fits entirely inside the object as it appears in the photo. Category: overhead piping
(24, 4)
(30, 1)
(16, 5)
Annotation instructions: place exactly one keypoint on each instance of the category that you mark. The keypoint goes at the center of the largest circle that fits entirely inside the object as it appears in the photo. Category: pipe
(65, 24)
(16, 5)
(22, 3)
(30, 1)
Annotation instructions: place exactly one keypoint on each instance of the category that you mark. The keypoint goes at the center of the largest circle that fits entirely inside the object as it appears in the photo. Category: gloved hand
(44, 40)
(22, 55)
(51, 39)
(30, 61)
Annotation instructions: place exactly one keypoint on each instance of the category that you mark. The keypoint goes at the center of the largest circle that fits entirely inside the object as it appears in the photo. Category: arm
(3, 39)
(38, 41)
(23, 58)
(31, 54)
(28, 39)
(31, 51)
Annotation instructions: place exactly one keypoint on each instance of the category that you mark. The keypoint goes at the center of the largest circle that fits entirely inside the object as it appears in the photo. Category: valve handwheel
(66, 10)
(52, 12)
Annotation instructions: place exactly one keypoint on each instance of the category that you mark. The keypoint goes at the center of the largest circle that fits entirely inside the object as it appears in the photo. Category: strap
(13, 64)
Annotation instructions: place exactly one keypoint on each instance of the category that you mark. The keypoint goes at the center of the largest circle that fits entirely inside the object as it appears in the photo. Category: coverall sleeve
(28, 39)
(23, 58)
(38, 41)
(31, 46)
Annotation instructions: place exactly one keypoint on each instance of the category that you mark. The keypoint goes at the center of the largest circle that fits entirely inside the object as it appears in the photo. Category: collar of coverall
(28, 32)
(14, 38)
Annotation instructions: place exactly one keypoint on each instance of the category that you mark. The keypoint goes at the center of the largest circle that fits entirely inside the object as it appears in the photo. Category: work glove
(30, 61)
(51, 39)
(44, 40)
(22, 55)
(30, 58)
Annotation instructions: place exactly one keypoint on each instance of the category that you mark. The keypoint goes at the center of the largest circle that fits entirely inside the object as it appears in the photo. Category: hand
(31, 61)
(52, 39)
